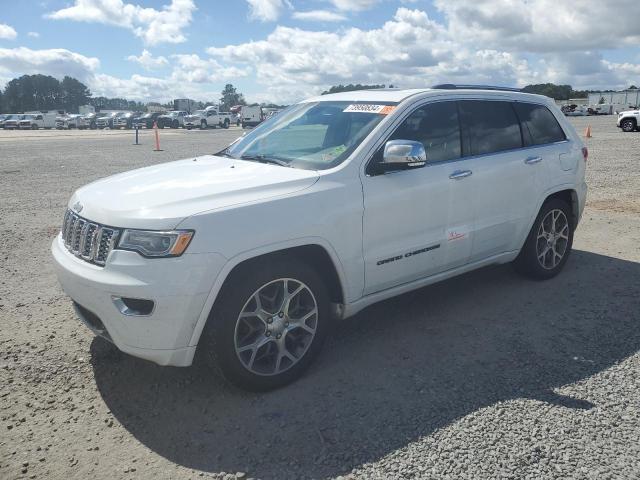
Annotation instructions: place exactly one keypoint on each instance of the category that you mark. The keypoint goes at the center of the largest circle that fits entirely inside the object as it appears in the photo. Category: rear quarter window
(539, 125)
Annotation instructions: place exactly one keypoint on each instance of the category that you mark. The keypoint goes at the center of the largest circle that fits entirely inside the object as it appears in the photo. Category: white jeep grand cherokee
(338, 202)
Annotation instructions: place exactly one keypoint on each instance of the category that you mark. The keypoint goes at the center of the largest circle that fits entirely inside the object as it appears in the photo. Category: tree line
(44, 92)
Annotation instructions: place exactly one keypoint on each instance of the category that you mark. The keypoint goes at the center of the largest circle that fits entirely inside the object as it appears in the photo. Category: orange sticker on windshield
(369, 108)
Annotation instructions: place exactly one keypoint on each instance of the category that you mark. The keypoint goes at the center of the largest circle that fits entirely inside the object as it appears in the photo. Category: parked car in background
(12, 122)
(90, 121)
(2, 118)
(34, 121)
(172, 119)
(209, 117)
(629, 121)
(251, 116)
(250, 254)
(106, 120)
(147, 120)
(71, 121)
(125, 120)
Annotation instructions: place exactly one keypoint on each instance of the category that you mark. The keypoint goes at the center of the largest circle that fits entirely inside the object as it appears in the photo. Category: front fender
(250, 254)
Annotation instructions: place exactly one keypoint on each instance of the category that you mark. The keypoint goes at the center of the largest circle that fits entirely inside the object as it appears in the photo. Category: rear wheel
(549, 242)
(203, 125)
(226, 123)
(269, 325)
(175, 124)
(628, 125)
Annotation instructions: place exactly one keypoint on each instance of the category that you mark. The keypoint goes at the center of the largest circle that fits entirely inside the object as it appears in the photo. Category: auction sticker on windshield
(368, 108)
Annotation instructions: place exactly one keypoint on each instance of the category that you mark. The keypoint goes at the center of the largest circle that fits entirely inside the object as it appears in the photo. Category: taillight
(585, 153)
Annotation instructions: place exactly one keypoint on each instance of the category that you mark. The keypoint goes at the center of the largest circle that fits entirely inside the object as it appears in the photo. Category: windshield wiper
(265, 159)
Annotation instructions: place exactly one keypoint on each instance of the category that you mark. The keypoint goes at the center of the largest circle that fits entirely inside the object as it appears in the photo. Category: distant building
(184, 104)
(86, 109)
(624, 100)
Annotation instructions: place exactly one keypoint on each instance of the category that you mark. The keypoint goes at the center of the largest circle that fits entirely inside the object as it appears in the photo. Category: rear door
(507, 176)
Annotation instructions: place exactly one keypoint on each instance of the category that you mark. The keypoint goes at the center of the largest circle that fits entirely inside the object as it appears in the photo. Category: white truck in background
(251, 116)
(37, 120)
(208, 117)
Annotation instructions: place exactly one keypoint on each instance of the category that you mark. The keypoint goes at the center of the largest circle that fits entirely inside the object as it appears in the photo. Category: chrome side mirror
(404, 154)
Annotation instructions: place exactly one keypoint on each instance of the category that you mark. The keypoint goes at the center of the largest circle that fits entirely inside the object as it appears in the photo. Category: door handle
(533, 160)
(458, 174)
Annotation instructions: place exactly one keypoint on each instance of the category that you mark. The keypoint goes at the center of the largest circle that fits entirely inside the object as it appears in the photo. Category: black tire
(628, 125)
(528, 263)
(226, 124)
(218, 339)
(203, 125)
(175, 124)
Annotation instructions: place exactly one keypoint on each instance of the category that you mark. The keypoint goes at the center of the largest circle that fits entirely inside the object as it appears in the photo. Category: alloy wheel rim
(276, 327)
(552, 239)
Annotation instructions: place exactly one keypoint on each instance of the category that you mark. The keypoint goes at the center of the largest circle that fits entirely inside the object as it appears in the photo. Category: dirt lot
(483, 376)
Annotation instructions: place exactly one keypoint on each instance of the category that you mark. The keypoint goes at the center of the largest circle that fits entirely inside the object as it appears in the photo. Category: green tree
(230, 97)
(351, 87)
(558, 92)
(32, 92)
(74, 94)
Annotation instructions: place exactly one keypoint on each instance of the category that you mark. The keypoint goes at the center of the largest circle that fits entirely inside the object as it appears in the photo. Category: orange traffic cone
(155, 128)
(587, 132)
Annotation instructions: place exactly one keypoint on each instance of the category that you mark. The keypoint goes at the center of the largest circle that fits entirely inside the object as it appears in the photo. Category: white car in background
(339, 202)
(208, 117)
(629, 121)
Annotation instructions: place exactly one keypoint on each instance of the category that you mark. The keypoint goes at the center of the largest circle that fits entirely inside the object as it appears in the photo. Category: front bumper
(178, 286)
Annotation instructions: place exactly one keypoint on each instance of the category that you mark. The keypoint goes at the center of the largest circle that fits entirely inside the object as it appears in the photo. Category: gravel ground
(484, 376)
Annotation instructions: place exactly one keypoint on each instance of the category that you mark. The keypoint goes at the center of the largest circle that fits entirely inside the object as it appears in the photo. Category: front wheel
(269, 324)
(549, 242)
(203, 125)
(226, 124)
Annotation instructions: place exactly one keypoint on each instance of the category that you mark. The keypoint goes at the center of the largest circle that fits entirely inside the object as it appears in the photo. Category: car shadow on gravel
(397, 371)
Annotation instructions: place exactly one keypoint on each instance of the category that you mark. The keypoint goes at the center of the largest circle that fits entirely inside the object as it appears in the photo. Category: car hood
(161, 196)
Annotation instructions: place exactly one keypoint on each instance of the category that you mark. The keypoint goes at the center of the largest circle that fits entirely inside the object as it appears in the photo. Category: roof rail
(451, 86)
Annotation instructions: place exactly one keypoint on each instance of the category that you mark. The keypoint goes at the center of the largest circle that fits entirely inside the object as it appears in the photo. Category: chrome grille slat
(88, 240)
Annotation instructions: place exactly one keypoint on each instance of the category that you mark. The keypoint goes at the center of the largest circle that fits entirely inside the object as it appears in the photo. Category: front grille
(87, 240)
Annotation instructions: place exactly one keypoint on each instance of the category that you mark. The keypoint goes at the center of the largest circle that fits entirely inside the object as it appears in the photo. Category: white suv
(338, 202)
(629, 120)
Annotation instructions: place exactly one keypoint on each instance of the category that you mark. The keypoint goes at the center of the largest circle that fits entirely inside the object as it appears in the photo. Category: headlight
(149, 243)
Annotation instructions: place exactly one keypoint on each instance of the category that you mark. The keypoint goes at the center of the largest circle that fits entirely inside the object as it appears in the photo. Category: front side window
(539, 126)
(314, 135)
(436, 126)
(489, 126)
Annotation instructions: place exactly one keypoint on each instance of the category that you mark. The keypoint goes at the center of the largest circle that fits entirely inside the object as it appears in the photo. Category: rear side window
(489, 126)
(436, 126)
(539, 126)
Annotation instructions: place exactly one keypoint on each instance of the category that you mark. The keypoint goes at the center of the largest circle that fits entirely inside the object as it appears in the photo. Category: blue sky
(282, 50)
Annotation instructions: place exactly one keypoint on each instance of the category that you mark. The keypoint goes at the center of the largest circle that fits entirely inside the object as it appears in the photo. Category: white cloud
(148, 61)
(543, 25)
(193, 69)
(354, 5)
(266, 10)
(319, 16)
(57, 62)
(7, 32)
(153, 26)
(33, 34)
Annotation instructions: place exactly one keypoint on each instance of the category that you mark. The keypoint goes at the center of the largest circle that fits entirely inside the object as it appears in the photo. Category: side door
(419, 222)
(507, 176)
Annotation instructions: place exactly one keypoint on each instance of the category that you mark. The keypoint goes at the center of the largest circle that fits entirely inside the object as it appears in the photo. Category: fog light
(134, 306)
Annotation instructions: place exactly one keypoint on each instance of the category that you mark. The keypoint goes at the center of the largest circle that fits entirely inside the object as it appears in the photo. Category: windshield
(198, 112)
(312, 136)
